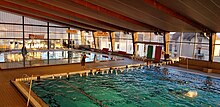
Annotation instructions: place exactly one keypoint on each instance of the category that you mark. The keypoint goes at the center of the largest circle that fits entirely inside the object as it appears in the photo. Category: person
(24, 51)
(83, 61)
(208, 82)
(165, 71)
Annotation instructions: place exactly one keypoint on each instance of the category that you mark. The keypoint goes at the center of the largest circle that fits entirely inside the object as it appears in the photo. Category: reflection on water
(15, 59)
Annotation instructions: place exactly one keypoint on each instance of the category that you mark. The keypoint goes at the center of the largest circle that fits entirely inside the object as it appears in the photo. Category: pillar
(212, 39)
(112, 37)
(135, 38)
(68, 39)
(48, 39)
(48, 43)
(194, 46)
(181, 43)
(82, 34)
(96, 40)
(166, 42)
(23, 30)
(23, 40)
(93, 35)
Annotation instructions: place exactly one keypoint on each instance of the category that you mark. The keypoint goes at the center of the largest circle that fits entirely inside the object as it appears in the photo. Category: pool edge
(34, 99)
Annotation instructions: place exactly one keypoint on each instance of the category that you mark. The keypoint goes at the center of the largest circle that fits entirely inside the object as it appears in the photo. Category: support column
(112, 38)
(23, 31)
(48, 43)
(82, 34)
(181, 43)
(68, 39)
(212, 39)
(23, 41)
(134, 38)
(93, 34)
(96, 40)
(194, 46)
(166, 42)
(48, 37)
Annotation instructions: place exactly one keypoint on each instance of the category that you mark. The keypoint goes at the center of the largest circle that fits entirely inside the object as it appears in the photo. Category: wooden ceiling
(123, 15)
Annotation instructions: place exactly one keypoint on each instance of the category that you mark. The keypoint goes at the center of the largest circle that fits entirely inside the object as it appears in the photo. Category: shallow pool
(139, 87)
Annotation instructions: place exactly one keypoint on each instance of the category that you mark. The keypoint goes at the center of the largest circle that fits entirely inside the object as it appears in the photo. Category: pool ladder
(29, 91)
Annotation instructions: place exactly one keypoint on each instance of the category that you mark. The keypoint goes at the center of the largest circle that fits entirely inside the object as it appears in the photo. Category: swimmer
(156, 68)
(191, 94)
(208, 81)
(165, 71)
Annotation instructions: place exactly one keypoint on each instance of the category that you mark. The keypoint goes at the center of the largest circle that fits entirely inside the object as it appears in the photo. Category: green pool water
(139, 87)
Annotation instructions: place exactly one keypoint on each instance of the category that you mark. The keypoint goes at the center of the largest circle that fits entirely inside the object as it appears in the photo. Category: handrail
(29, 92)
(25, 76)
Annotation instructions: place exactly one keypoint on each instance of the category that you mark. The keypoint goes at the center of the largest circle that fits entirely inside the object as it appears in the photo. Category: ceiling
(123, 15)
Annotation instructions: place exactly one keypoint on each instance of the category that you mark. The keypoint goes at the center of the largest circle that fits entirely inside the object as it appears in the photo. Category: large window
(103, 41)
(31, 21)
(150, 37)
(35, 37)
(190, 45)
(58, 38)
(75, 39)
(123, 42)
(6, 17)
(88, 37)
(217, 48)
(146, 39)
(10, 37)
(35, 34)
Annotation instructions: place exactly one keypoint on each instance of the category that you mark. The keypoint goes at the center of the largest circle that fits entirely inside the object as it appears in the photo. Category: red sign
(32, 36)
(102, 34)
(71, 31)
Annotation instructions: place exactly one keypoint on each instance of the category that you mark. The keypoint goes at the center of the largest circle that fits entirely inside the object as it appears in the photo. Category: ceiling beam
(177, 15)
(114, 14)
(73, 14)
(43, 19)
(34, 11)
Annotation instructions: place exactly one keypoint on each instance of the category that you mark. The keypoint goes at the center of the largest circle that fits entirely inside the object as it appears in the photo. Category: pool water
(138, 87)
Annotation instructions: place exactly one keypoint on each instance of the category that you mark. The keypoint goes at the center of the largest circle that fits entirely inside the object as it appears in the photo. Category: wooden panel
(144, 13)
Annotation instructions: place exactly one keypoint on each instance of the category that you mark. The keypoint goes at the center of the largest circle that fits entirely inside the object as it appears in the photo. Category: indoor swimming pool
(132, 87)
(41, 58)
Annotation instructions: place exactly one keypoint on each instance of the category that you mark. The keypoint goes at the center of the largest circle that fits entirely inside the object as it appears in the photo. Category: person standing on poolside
(83, 61)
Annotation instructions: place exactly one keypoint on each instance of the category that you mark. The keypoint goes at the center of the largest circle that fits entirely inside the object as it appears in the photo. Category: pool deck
(214, 75)
(10, 97)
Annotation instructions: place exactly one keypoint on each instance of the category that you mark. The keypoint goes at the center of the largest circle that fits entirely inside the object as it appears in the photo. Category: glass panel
(141, 50)
(217, 53)
(58, 37)
(89, 39)
(174, 49)
(150, 37)
(202, 51)
(33, 21)
(76, 39)
(6, 17)
(8, 33)
(123, 42)
(196, 44)
(103, 42)
(35, 37)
